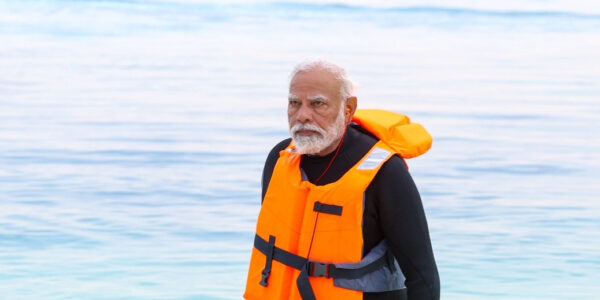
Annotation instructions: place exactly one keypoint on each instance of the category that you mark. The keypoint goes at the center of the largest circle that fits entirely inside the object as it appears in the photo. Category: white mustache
(307, 126)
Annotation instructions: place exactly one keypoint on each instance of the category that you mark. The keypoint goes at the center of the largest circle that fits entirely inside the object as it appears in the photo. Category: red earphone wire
(322, 174)
(334, 156)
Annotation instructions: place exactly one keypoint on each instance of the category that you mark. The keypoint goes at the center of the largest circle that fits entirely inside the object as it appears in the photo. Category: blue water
(133, 133)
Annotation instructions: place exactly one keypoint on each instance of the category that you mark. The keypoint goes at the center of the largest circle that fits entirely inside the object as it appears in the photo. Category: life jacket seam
(276, 217)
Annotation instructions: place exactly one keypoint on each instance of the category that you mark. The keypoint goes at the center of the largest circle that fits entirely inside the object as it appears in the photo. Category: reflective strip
(375, 158)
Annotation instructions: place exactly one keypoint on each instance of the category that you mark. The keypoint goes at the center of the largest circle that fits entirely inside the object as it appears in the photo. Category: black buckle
(318, 269)
(263, 280)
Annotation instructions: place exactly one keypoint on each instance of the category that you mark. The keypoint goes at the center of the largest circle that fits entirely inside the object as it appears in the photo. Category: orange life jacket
(308, 242)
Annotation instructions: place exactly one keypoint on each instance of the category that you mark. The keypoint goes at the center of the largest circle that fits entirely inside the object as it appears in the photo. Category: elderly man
(341, 217)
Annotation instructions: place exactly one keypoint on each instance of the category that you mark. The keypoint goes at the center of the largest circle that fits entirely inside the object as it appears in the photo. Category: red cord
(313, 236)
(315, 183)
(334, 156)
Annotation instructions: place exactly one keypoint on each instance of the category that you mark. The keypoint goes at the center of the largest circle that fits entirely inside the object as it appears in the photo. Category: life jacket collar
(395, 130)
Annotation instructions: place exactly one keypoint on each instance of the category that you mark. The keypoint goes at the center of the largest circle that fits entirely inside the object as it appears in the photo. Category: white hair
(347, 87)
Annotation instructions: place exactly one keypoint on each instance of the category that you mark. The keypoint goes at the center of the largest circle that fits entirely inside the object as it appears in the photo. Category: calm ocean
(133, 133)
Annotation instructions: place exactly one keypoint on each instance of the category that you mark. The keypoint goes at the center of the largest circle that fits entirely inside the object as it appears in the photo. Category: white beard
(316, 143)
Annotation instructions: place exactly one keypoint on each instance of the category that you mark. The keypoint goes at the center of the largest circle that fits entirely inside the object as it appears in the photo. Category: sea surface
(133, 135)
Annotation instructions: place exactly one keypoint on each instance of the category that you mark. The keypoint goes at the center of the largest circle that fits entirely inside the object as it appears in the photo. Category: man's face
(315, 112)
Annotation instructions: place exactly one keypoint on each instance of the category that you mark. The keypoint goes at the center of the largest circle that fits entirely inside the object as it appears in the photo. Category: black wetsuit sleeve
(404, 226)
(270, 165)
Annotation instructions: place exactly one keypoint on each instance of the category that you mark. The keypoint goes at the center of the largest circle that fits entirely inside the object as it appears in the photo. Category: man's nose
(304, 114)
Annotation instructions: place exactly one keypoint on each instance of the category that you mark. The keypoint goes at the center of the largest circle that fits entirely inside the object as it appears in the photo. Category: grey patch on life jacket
(375, 158)
(304, 176)
(380, 280)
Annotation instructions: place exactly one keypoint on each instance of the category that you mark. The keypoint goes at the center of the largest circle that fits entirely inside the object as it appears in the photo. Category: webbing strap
(315, 269)
(303, 284)
(336, 272)
(287, 258)
(269, 261)
(291, 260)
(328, 208)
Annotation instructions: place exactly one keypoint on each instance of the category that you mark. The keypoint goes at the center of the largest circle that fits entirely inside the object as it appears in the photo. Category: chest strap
(309, 268)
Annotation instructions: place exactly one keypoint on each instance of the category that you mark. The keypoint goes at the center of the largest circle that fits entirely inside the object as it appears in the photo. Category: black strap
(336, 272)
(287, 258)
(303, 284)
(291, 260)
(313, 268)
(328, 208)
(269, 253)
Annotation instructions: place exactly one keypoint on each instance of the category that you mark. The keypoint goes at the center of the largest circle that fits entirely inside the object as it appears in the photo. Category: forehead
(315, 81)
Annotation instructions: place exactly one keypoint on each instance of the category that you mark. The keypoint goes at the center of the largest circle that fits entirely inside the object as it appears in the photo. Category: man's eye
(294, 103)
(318, 103)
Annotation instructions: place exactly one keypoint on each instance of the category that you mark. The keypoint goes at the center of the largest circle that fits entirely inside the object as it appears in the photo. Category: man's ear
(351, 103)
